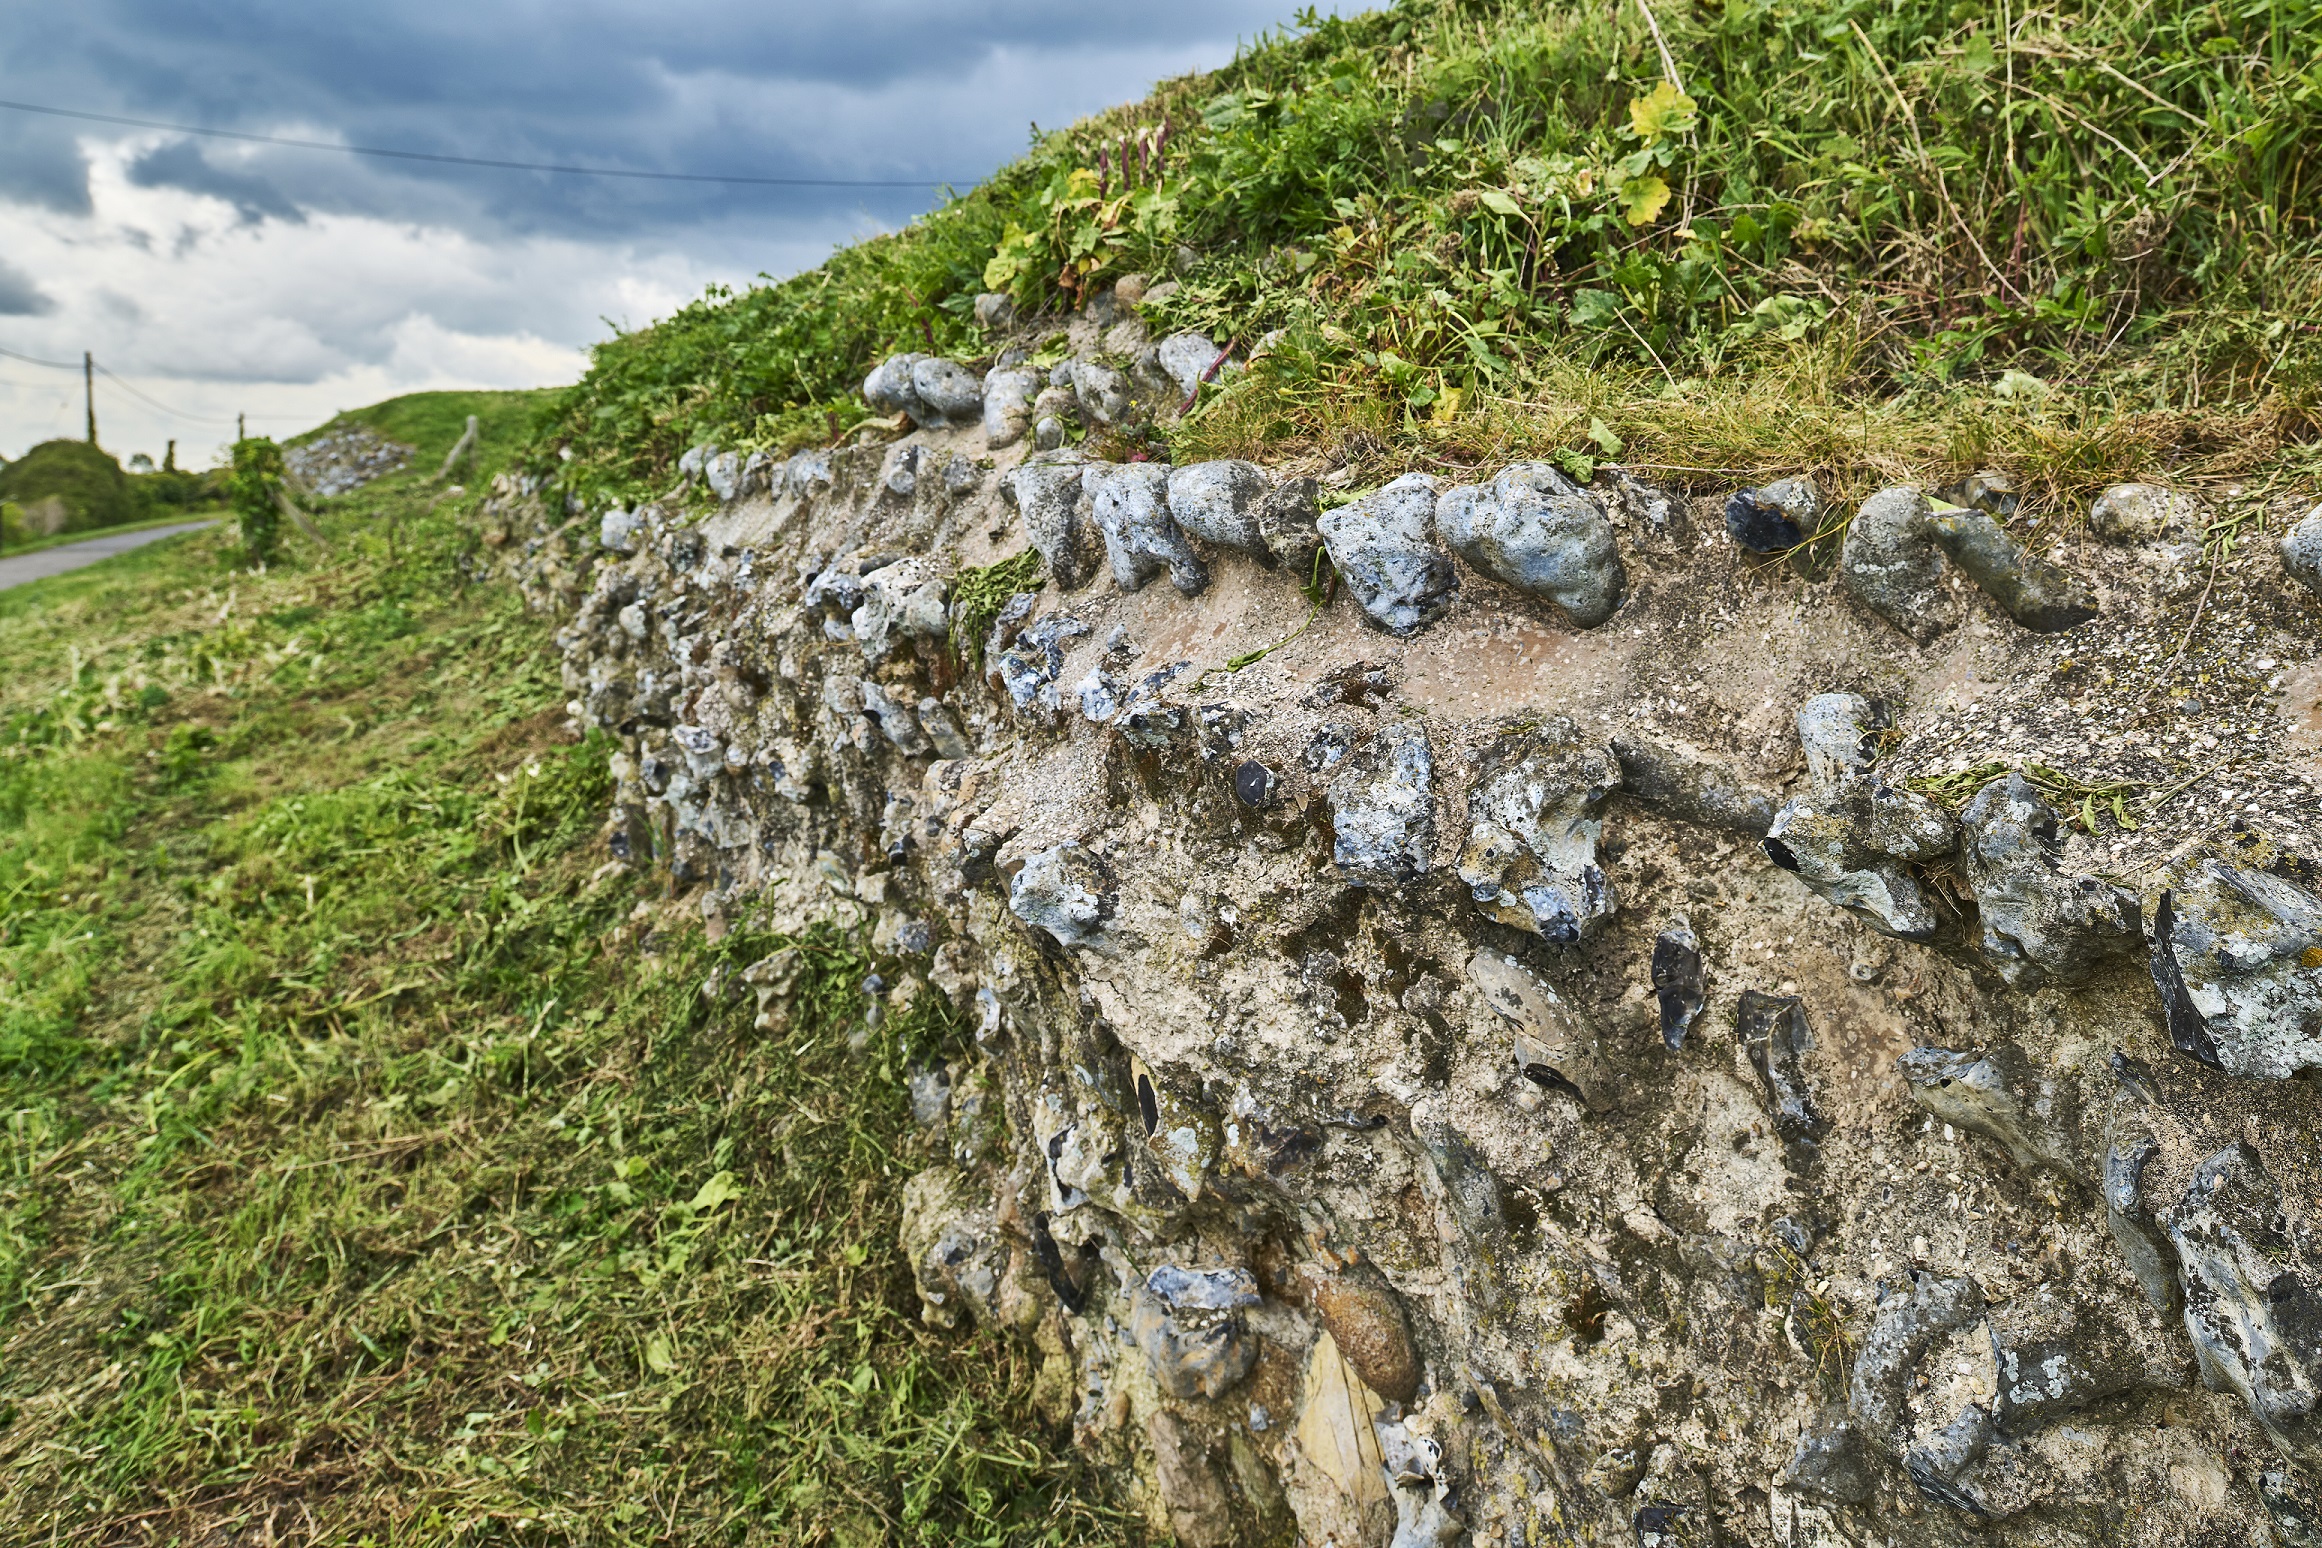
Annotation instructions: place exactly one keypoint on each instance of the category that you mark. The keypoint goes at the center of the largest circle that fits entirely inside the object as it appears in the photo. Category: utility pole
(240, 434)
(89, 390)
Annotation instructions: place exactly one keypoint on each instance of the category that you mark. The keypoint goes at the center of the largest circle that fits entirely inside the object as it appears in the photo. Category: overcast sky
(220, 278)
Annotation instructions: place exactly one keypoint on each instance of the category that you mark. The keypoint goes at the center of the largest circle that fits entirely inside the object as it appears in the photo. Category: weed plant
(378, 1163)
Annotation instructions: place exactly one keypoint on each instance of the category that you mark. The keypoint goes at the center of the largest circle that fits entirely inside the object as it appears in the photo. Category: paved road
(16, 569)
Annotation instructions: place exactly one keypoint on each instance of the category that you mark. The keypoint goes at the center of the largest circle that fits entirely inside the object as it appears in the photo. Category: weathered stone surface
(2250, 1299)
(2142, 513)
(2237, 957)
(1189, 1324)
(1047, 493)
(2301, 552)
(1994, 1094)
(1067, 894)
(1534, 529)
(1889, 563)
(2039, 924)
(1008, 395)
(1691, 786)
(1776, 518)
(1852, 837)
(1772, 1029)
(1535, 814)
(1383, 547)
(1217, 502)
(2034, 592)
(1679, 983)
(2143, 1247)
(1383, 810)
(1367, 1319)
(1130, 502)
(1551, 1047)
(1102, 393)
(1185, 356)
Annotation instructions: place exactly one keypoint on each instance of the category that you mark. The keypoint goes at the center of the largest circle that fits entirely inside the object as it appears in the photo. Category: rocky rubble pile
(339, 460)
(1654, 1019)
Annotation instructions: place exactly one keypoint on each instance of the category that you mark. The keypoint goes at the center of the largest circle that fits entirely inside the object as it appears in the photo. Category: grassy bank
(1724, 241)
(373, 1166)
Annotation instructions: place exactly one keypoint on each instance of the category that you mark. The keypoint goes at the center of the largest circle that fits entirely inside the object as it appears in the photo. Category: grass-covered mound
(1723, 238)
(68, 486)
(432, 422)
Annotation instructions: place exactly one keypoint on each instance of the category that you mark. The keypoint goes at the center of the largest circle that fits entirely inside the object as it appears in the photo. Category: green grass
(431, 423)
(2078, 242)
(373, 1167)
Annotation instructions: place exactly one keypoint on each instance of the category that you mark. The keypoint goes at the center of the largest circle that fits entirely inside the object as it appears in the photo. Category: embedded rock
(1772, 1029)
(1047, 493)
(2250, 1299)
(1535, 815)
(1996, 1095)
(1691, 786)
(1288, 516)
(959, 1259)
(1678, 981)
(2143, 1247)
(1217, 502)
(2301, 552)
(1889, 563)
(1534, 529)
(1029, 666)
(1186, 356)
(1551, 1048)
(1382, 809)
(1775, 519)
(2142, 513)
(2039, 924)
(1852, 837)
(1189, 1323)
(1382, 546)
(1008, 395)
(2237, 958)
(1907, 1324)
(1067, 894)
(1101, 393)
(1368, 1321)
(1130, 502)
(2033, 592)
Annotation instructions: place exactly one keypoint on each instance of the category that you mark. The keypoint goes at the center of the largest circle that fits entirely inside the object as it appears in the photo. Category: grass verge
(374, 1166)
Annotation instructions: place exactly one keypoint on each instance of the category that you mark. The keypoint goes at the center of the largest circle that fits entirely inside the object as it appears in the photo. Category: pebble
(1382, 547)
(1776, 518)
(1047, 492)
(1130, 502)
(1532, 528)
(1889, 563)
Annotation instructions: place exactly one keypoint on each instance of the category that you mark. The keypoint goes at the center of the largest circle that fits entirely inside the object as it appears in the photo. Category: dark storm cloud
(888, 89)
(183, 164)
(19, 296)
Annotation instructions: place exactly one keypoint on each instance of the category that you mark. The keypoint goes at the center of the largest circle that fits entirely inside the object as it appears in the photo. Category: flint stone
(1047, 493)
(2035, 593)
(1101, 392)
(1889, 563)
(2302, 552)
(1383, 810)
(1776, 518)
(957, 1252)
(888, 387)
(1008, 395)
(1905, 1326)
(1535, 816)
(2297, 1522)
(2237, 958)
(2142, 1245)
(1286, 515)
(947, 393)
(1381, 546)
(691, 460)
(1067, 893)
(1678, 982)
(2058, 1356)
(1550, 1046)
(724, 473)
(1216, 502)
(1831, 1463)
(1691, 786)
(2141, 513)
(899, 721)
(1185, 356)
(1189, 1325)
(1773, 1031)
(1029, 667)
(1988, 490)
(1131, 504)
(1534, 529)
(1849, 837)
(2039, 925)
(1996, 1095)
(2250, 1303)
(620, 530)
(905, 597)
(943, 732)
(1836, 731)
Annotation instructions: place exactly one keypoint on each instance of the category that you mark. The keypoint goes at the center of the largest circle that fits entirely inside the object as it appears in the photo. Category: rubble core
(1594, 1037)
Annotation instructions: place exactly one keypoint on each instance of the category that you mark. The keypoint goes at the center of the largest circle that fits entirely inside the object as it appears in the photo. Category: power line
(199, 419)
(53, 365)
(487, 161)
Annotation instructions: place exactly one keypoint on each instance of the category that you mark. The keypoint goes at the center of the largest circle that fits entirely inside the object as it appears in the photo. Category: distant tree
(253, 491)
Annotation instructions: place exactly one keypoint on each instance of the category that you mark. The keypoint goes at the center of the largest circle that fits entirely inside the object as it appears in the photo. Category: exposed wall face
(1519, 1059)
